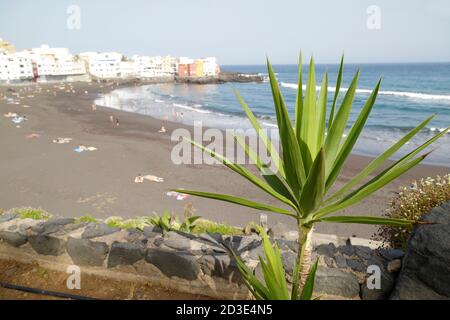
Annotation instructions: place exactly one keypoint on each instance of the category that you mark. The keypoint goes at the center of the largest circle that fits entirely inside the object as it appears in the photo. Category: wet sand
(36, 172)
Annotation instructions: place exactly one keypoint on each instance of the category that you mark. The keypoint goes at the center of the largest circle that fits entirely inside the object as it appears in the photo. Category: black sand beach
(38, 173)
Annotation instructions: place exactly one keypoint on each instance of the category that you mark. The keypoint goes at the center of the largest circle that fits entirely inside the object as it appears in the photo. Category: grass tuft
(86, 218)
(119, 222)
(32, 213)
(207, 226)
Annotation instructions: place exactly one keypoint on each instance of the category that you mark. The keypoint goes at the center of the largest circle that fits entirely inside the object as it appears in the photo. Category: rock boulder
(425, 272)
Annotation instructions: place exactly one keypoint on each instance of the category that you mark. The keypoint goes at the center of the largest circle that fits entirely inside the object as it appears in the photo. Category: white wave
(434, 129)
(268, 124)
(159, 101)
(413, 95)
(183, 106)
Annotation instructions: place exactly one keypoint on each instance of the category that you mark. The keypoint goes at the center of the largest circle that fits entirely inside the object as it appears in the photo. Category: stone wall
(191, 263)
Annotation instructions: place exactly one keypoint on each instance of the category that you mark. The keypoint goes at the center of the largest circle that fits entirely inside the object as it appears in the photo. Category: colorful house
(198, 64)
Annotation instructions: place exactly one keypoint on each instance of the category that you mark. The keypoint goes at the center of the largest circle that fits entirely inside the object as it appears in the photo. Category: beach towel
(80, 149)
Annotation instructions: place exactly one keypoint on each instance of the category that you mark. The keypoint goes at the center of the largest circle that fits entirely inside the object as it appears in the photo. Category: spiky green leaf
(271, 150)
(370, 187)
(336, 94)
(338, 126)
(369, 220)
(292, 159)
(237, 200)
(353, 135)
(313, 190)
(308, 288)
(245, 173)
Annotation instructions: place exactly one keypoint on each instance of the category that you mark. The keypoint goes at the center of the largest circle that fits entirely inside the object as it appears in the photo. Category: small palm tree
(313, 154)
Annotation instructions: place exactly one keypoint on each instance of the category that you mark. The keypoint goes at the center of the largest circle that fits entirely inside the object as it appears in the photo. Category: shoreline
(38, 173)
(223, 77)
(371, 143)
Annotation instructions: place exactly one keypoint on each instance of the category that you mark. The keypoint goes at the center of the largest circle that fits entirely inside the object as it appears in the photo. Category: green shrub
(136, 223)
(168, 222)
(411, 204)
(163, 222)
(253, 227)
(86, 218)
(32, 213)
(207, 226)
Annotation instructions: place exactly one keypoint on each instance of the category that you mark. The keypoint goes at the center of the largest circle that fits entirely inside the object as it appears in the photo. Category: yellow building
(199, 68)
(6, 47)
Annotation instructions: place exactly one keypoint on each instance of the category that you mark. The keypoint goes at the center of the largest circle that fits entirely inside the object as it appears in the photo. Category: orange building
(183, 70)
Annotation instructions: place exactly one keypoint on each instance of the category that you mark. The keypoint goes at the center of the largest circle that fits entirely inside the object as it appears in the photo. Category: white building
(55, 61)
(148, 67)
(127, 69)
(210, 66)
(169, 65)
(15, 66)
(102, 65)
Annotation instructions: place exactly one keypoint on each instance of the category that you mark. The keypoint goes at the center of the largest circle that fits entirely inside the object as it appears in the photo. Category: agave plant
(314, 152)
(168, 222)
(274, 285)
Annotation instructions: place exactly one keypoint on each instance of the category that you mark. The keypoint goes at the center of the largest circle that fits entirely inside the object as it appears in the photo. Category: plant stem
(303, 261)
(305, 256)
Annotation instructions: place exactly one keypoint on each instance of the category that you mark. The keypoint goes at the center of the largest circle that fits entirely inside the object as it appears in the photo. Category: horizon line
(335, 63)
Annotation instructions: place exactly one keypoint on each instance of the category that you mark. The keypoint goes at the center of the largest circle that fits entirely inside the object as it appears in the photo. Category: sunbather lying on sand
(149, 177)
(177, 195)
(10, 115)
(19, 119)
(62, 140)
(32, 135)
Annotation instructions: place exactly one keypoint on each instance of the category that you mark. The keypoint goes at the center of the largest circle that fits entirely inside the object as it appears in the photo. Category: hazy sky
(237, 31)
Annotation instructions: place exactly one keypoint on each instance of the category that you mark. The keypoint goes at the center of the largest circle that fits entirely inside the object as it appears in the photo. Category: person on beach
(163, 127)
(94, 107)
(111, 118)
(139, 179)
(117, 122)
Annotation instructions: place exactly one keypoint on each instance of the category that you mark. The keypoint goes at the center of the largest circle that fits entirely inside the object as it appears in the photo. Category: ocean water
(409, 93)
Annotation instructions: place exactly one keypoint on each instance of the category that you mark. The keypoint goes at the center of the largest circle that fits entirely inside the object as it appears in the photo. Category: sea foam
(412, 95)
